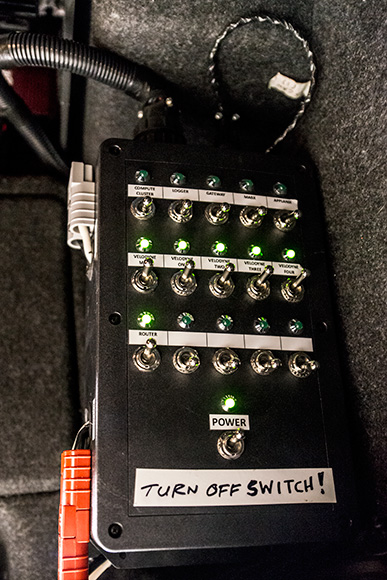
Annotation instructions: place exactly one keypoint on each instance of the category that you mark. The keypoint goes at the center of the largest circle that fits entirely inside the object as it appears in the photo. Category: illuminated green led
(289, 254)
(280, 189)
(255, 251)
(261, 325)
(144, 244)
(145, 319)
(182, 246)
(228, 402)
(219, 248)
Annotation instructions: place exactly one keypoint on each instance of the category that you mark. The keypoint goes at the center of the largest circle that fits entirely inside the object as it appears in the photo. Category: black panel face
(160, 420)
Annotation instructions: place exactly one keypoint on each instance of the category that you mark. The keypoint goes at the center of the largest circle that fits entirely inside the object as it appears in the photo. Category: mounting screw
(115, 318)
(115, 530)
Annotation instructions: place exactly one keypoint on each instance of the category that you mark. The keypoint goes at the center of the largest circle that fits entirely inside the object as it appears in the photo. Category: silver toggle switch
(143, 208)
(145, 279)
(258, 286)
(147, 358)
(184, 282)
(301, 365)
(293, 290)
(186, 360)
(226, 361)
(181, 211)
(286, 220)
(252, 217)
(217, 213)
(263, 362)
(221, 284)
(231, 444)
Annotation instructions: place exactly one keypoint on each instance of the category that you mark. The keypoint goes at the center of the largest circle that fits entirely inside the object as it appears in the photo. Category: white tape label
(222, 422)
(227, 487)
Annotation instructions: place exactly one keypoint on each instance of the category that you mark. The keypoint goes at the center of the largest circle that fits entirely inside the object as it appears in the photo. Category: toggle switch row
(181, 211)
(221, 284)
(225, 361)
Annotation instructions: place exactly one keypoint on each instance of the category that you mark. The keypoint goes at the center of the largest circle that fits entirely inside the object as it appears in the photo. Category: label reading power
(222, 422)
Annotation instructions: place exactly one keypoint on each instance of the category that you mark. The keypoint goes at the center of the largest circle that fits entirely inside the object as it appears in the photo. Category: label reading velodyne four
(227, 487)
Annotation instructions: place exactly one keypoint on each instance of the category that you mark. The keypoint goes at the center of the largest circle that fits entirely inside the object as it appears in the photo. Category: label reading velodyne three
(226, 487)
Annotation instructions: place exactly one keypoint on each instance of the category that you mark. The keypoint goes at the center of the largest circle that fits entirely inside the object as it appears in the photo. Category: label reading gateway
(221, 487)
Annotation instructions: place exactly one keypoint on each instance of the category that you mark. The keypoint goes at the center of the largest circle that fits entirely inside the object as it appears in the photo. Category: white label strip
(225, 340)
(263, 341)
(250, 199)
(178, 261)
(227, 487)
(181, 193)
(181, 338)
(211, 196)
(139, 336)
(138, 259)
(222, 422)
(213, 263)
(281, 203)
(296, 343)
(143, 190)
(220, 340)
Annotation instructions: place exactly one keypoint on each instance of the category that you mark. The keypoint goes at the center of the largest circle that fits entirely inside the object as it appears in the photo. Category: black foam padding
(37, 383)
(29, 537)
(343, 130)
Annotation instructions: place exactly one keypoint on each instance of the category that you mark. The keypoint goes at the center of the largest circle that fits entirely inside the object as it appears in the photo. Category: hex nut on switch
(147, 358)
(186, 360)
(226, 361)
(263, 362)
(301, 365)
(231, 444)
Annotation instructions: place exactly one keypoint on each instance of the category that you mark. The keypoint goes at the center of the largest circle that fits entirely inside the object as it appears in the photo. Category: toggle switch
(263, 362)
(181, 211)
(217, 213)
(258, 286)
(143, 208)
(226, 361)
(252, 217)
(184, 282)
(145, 280)
(221, 284)
(231, 444)
(147, 358)
(293, 290)
(301, 365)
(186, 360)
(286, 220)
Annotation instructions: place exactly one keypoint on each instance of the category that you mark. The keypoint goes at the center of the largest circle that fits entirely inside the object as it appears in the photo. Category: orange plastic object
(74, 515)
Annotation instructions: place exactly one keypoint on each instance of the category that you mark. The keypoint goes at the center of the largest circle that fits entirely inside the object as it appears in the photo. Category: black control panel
(213, 372)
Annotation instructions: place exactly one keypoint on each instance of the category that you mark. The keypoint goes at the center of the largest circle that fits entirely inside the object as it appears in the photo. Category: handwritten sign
(221, 487)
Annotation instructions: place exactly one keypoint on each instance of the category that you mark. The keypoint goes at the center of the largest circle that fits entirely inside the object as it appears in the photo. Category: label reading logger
(226, 487)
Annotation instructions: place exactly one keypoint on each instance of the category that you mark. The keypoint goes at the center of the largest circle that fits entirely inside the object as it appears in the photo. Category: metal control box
(213, 377)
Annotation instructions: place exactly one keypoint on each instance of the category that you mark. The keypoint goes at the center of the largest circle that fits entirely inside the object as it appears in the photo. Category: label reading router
(221, 487)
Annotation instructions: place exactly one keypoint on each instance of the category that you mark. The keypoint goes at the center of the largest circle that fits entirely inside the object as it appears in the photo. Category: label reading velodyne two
(227, 487)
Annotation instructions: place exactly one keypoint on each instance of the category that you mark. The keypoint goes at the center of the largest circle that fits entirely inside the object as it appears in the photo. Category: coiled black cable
(32, 49)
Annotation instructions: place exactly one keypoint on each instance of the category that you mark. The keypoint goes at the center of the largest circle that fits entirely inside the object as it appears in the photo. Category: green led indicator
(228, 402)
(144, 244)
(262, 325)
(219, 248)
(145, 319)
(289, 254)
(142, 176)
(182, 246)
(255, 251)
(280, 189)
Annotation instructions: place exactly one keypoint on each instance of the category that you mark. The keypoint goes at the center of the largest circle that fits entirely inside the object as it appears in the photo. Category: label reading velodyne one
(226, 487)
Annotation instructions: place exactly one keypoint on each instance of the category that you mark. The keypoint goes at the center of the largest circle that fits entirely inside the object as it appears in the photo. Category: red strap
(74, 515)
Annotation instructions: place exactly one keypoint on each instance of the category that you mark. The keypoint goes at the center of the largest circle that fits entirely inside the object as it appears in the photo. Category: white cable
(86, 241)
(100, 570)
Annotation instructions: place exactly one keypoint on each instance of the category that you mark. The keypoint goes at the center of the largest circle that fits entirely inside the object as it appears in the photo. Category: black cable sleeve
(32, 49)
(13, 108)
